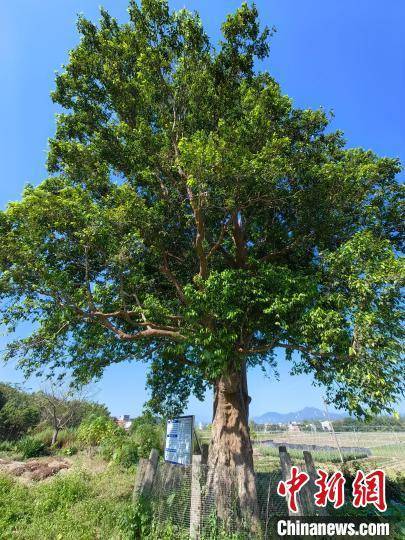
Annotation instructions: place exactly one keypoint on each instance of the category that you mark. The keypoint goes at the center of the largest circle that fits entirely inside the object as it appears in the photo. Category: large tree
(196, 220)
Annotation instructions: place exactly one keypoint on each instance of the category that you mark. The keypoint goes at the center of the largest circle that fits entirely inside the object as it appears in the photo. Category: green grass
(319, 456)
(392, 450)
(76, 506)
(93, 500)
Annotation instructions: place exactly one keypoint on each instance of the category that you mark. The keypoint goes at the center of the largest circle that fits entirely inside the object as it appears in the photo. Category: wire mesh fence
(171, 494)
(174, 499)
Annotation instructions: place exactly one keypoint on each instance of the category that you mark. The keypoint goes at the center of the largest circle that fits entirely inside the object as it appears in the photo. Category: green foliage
(23, 413)
(114, 443)
(30, 447)
(126, 454)
(7, 446)
(216, 530)
(70, 450)
(84, 409)
(18, 413)
(146, 417)
(125, 449)
(94, 429)
(384, 423)
(72, 506)
(140, 521)
(62, 493)
(66, 437)
(146, 437)
(119, 448)
(195, 219)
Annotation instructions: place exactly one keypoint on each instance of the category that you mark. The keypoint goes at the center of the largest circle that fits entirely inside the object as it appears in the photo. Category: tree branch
(238, 236)
(218, 243)
(200, 234)
(292, 346)
(172, 278)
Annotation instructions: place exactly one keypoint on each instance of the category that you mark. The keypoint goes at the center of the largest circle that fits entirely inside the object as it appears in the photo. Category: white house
(326, 425)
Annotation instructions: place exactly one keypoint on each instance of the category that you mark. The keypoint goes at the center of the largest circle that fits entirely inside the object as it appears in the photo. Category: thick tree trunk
(230, 461)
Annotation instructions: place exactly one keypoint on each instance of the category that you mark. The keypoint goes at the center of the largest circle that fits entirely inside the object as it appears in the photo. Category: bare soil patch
(35, 469)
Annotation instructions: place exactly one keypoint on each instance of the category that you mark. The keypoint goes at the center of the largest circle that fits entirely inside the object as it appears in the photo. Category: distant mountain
(307, 413)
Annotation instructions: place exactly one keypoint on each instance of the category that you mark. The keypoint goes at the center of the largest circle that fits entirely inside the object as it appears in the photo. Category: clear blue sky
(348, 56)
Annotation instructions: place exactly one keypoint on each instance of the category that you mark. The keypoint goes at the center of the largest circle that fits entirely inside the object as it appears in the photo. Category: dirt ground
(35, 469)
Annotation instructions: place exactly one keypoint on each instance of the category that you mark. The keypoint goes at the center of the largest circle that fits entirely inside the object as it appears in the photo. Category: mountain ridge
(307, 413)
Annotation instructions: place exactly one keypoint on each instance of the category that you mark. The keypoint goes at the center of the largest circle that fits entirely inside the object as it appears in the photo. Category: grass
(392, 450)
(93, 500)
(319, 456)
(78, 505)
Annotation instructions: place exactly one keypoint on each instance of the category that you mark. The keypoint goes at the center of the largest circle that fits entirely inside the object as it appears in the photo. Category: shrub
(146, 437)
(31, 447)
(109, 444)
(45, 436)
(127, 454)
(120, 449)
(17, 417)
(94, 429)
(66, 437)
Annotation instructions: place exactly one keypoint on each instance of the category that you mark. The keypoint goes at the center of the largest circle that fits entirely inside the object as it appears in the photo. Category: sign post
(179, 440)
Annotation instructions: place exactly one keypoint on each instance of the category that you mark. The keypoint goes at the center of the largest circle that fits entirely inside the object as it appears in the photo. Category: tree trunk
(54, 436)
(230, 461)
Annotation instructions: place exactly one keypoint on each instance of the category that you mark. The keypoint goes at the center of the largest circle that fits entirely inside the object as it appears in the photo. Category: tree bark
(54, 436)
(230, 461)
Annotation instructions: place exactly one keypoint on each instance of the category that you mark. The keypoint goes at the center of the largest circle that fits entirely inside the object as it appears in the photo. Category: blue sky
(346, 56)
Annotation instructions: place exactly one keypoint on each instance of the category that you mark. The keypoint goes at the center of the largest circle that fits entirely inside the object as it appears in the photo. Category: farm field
(368, 439)
(381, 448)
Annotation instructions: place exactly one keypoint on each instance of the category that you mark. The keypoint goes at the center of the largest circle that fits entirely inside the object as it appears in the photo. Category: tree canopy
(21, 412)
(194, 219)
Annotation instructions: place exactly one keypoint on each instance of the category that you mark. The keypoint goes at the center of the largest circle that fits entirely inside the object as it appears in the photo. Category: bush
(66, 437)
(146, 437)
(94, 429)
(110, 444)
(31, 447)
(119, 449)
(45, 436)
(127, 454)
(63, 492)
(17, 417)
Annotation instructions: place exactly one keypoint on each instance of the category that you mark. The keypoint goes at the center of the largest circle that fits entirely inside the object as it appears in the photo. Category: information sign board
(179, 440)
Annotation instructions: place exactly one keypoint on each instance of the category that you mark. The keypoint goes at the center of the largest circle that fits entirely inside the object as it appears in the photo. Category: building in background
(125, 421)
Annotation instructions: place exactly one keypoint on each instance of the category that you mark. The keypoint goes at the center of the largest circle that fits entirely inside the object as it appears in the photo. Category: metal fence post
(195, 506)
